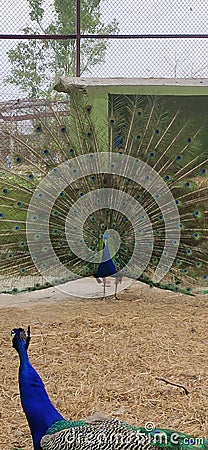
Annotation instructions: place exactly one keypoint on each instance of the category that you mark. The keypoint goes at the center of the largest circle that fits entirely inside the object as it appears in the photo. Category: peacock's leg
(116, 287)
(117, 281)
(104, 286)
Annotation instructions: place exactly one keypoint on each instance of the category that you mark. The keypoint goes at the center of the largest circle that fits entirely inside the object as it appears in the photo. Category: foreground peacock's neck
(39, 410)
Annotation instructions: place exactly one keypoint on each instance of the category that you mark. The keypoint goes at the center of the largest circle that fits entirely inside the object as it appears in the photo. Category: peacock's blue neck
(40, 412)
(106, 268)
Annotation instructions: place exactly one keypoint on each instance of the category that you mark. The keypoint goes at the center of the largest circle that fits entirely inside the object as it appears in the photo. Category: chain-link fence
(42, 40)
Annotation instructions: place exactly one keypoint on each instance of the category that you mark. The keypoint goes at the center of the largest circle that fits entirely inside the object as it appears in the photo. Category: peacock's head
(19, 337)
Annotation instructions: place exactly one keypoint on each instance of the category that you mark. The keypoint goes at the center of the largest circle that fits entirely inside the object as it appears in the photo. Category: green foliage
(36, 64)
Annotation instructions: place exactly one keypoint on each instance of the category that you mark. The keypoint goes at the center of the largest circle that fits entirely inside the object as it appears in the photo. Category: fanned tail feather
(168, 134)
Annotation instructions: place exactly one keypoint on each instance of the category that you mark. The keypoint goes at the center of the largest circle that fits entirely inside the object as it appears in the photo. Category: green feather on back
(63, 424)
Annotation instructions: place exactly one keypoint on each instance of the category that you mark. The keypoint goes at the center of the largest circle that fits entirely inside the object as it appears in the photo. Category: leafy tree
(35, 64)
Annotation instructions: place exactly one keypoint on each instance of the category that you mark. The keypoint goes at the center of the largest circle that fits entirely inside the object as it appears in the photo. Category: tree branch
(173, 384)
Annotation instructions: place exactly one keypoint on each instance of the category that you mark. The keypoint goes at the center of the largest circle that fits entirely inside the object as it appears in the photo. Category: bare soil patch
(107, 355)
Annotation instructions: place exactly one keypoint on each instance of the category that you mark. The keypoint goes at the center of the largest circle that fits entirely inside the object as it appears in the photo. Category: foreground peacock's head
(20, 338)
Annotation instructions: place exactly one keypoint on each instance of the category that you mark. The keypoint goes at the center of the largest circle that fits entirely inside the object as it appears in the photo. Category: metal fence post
(78, 37)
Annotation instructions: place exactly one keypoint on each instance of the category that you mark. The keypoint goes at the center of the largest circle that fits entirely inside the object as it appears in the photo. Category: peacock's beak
(13, 334)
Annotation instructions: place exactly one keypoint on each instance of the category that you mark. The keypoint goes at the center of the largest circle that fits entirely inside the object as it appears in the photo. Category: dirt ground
(109, 356)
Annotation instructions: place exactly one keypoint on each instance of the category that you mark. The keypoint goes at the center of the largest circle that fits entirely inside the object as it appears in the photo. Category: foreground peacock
(117, 190)
(50, 431)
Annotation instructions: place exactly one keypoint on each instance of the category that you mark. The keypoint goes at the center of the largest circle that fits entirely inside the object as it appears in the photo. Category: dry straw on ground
(107, 356)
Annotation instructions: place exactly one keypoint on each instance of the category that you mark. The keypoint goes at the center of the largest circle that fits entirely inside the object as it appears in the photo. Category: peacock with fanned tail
(122, 194)
(50, 431)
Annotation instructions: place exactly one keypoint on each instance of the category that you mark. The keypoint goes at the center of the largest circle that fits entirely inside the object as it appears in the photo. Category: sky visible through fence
(147, 57)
